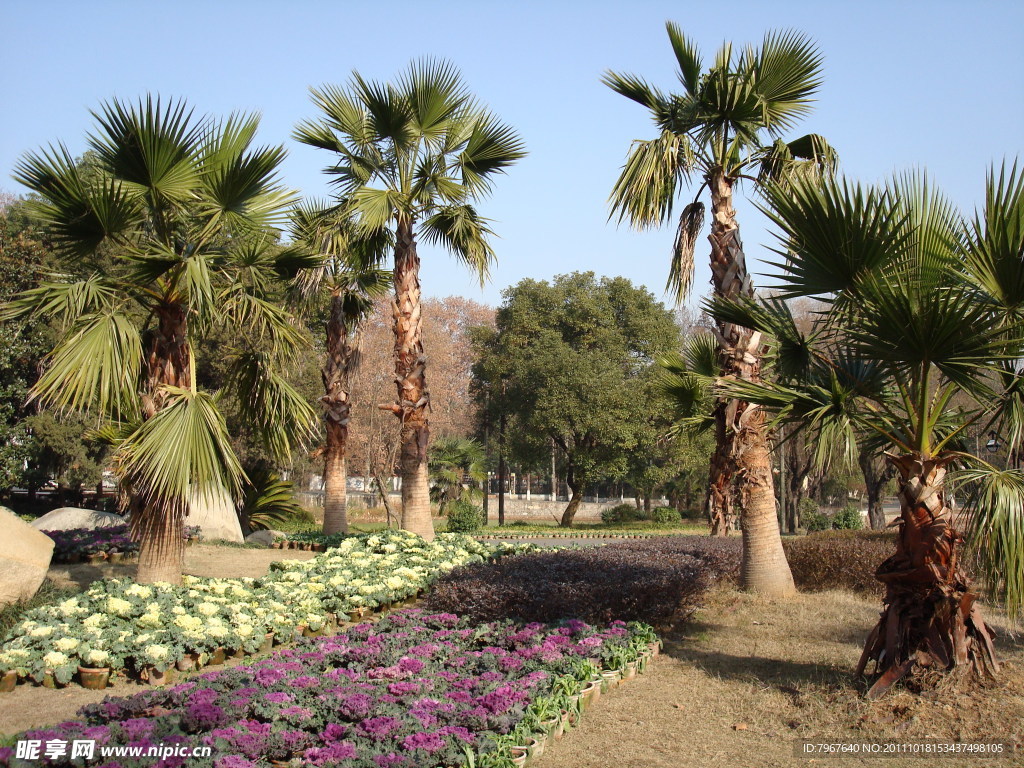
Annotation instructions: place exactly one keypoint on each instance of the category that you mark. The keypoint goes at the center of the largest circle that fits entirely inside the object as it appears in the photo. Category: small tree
(457, 471)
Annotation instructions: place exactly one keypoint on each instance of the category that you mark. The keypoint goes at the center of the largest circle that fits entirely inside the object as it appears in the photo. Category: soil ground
(744, 682)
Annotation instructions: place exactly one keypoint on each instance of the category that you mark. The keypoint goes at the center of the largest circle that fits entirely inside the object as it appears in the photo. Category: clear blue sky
(935, 84)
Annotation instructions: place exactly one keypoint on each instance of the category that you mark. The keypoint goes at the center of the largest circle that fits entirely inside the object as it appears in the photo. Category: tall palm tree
(166, 231)
(923, 311)
(726, 126)
(413, 157)
(347, 275)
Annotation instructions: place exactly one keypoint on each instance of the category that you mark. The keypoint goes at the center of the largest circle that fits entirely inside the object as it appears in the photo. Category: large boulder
(67, 518)
(214, 513)
(264, 538)
(24, 558)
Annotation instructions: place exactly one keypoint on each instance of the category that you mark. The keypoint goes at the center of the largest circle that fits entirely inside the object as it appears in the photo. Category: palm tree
(924, 311)
(452, 462)
(725, 126)
(347, 275)
(413, 158)
(166, 231)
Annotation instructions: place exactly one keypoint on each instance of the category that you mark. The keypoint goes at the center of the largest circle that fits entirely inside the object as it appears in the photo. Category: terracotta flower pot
(610, 680)
(217, 657)
(7, 681)
(96, 558)
(115, 557)
(153, 676)
(268, 642)
(654, 648)
(188, 663)
(591, 693)
(519, 755)
(48, 680)
(94, 678)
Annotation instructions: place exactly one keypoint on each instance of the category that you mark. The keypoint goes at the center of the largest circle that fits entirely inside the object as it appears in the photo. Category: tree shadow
(783, 674)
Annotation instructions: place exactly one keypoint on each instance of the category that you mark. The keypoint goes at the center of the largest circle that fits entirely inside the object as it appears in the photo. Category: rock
(266, 538)
(24, 558)
(66, 518)
(214, 512)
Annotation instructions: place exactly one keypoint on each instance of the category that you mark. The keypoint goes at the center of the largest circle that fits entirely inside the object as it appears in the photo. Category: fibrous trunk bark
(158, 524)
(410, 378)
(741, 463)
(337, 413)
(930, 618)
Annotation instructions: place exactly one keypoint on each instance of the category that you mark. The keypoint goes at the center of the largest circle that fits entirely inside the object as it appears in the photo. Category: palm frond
(278, 413)
(95, 367)
(680, 273)
(463, 232)
(182, 451)
(150, 146)
(995, 529)
(646, 188)
(687, 57)
(994, 258)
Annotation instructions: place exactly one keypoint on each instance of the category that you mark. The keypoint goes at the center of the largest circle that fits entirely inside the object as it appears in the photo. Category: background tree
(569, 360)
(726, 126)
(170, 229)
(24, 261)
(922, 309)
(414, 156)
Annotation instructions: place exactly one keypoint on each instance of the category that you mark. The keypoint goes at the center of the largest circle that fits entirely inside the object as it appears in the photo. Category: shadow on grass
(770, 672)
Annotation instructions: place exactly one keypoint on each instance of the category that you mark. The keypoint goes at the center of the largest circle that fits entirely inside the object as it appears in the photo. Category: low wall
(516, 507)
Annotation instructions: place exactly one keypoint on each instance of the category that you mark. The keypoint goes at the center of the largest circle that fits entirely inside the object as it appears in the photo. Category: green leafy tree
(24, 259)
(166, 232)
(567, 364)
(413, 157)
(725, 126)
(922, 309)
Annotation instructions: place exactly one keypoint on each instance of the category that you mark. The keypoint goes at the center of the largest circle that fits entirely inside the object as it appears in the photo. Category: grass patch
(48, 594)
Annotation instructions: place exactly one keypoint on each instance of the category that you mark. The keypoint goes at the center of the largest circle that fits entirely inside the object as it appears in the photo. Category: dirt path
(749, 679)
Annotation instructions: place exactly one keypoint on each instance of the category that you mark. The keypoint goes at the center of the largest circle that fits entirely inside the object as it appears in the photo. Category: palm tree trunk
(410, 377)
(741, 455)
(158, 524)
(337, 412)
(930, 618)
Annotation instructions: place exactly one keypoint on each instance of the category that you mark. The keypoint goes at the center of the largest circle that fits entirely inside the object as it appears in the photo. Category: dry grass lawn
(748, 678)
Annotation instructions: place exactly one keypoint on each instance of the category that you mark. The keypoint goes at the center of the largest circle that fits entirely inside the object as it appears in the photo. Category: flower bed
(653, 581)
(75, 544)
(147, 629)
(413, 690)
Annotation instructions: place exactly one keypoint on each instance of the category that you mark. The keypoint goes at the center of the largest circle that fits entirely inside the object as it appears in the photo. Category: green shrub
(839, 559)
(664, 515)
(848, 519)
(463, 517)
(620, 513)
(815, 521)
